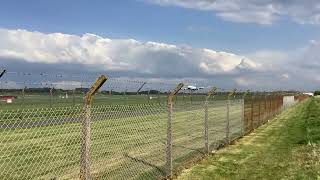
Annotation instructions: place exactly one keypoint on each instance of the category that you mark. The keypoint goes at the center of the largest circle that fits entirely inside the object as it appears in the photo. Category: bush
(316, 93)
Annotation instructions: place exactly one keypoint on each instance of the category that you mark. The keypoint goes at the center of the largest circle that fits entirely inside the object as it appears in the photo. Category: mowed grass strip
(286, 148)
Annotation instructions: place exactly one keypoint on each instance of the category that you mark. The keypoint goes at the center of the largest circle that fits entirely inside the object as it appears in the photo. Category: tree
(317, 93)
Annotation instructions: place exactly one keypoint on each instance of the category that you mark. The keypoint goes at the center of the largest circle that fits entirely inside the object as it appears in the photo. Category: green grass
(124, 145)
(38, 100)
(286, 148)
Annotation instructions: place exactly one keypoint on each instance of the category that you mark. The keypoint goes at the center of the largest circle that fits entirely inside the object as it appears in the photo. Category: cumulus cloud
(149, 58)
(295, 69)
(244, 82)
(58, 53)
(254, 11)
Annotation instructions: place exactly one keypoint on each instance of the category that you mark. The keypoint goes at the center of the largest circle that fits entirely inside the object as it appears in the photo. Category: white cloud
(272, 60)
(244, 82)
(116, 54)
(56, 52)
(254, 11)
(285, 76)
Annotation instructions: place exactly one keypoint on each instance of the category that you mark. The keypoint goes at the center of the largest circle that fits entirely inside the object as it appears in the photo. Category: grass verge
(286, 148)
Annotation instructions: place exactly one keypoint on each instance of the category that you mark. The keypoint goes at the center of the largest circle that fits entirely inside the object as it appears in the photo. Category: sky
(247, 44)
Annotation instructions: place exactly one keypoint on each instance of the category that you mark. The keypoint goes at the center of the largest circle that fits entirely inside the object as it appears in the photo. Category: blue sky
(284, 29)
(150, 22)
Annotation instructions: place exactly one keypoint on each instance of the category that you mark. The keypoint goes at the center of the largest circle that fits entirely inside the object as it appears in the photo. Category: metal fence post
(86, 129)
(169, 130)
(228, 117)
(206, 128)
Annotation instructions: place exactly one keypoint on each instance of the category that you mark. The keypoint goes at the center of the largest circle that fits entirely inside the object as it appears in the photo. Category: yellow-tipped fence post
(51, 96)
(169, 129)
(206, 133)
(252, 112)
(243, 124)
(259, 111)
(86, 129)
(228, 116)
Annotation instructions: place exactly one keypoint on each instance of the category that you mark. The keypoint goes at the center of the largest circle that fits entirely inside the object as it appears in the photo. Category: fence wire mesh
(128, 129)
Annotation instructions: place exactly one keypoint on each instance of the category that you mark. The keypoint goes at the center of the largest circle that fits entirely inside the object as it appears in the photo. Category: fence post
(141, 87)
(23, 95)
(259, 115)
(2, 73)
(51, 98)
(125, 96)
(270, 106)
(169, 130)
(252, 112)
(277, 104)
(191, 93)
(243, 128)
(159, 101)
(273, 106)
(228, 116)
(206, 134)
(86, 129)
(73, 97)
(266, 108)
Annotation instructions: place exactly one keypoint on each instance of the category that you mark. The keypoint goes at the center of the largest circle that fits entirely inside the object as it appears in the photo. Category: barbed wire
(18, 80)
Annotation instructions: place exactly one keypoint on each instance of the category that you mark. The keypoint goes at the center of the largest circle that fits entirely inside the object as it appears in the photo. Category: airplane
(193, 88)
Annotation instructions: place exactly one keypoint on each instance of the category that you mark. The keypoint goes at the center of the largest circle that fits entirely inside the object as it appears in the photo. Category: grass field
(128, 141)
(41, 100)
(286, 148)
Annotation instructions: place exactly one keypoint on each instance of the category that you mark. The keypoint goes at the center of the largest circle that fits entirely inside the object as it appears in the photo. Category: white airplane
(192, 88)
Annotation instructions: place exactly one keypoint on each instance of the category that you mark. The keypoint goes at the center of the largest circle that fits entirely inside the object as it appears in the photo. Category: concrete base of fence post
(86, 142)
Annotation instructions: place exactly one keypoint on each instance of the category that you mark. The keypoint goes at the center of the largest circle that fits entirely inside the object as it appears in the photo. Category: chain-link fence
(147, 131)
